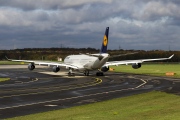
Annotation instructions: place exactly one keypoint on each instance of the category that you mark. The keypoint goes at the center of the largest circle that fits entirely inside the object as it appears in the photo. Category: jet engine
(105, 68)
(56, 69)
(31, 66)
(136, 66)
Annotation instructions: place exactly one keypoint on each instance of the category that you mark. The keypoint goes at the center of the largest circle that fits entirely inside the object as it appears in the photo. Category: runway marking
(81, 96)
(51, 105)
(98, 81)
(62, 74)
(141, 84)
(32, 80)
(36, 79)
(42, 88)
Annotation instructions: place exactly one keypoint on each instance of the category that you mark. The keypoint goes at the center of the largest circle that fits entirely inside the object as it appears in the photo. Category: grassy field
(150, 69)
(11, 63)
(149, 106)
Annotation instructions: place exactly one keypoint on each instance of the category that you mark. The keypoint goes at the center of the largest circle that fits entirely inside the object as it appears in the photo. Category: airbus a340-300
(89, 62)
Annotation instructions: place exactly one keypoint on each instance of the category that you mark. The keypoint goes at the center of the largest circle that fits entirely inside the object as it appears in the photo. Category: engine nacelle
(105, 68)
(136, 66)
(56, 69)
(31, 66)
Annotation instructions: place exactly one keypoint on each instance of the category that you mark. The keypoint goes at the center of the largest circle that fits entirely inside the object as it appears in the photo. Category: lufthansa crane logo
(105, 41)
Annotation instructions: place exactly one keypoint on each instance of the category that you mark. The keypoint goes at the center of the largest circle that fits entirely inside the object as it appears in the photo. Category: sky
(134, 24)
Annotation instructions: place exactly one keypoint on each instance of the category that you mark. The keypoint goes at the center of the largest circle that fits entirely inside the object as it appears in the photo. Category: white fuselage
(87, 62)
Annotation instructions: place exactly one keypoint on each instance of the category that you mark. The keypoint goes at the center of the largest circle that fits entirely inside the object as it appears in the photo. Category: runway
(29, 92)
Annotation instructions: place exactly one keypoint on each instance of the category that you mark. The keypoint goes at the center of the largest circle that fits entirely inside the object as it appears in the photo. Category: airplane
(89, 62)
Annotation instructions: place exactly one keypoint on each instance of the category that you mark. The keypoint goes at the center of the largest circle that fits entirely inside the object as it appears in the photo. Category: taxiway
(29, 92)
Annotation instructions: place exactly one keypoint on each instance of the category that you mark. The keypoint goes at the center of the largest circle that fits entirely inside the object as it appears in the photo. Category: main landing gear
(86, 73)
(99, 74)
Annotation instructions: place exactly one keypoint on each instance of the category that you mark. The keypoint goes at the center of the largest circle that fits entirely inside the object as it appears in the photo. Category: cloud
(49, 4)
(135, 24)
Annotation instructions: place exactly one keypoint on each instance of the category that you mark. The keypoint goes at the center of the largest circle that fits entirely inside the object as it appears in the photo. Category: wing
(47, 63)
(134, 61)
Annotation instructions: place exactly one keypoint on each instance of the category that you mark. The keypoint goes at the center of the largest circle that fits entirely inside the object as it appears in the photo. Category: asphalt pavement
(40, 90)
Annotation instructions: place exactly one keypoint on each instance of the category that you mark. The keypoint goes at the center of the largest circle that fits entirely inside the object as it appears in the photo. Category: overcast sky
(134, 24)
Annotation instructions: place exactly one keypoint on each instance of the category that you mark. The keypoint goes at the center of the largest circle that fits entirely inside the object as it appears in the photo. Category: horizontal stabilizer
(113, 56)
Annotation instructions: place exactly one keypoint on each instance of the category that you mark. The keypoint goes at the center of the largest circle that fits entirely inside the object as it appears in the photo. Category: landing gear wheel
(70, 73)
(99, 74)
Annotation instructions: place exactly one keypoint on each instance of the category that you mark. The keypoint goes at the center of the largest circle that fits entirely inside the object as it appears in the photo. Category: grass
(150, 69)
(150, 106)
(4, 79)
(11, 63)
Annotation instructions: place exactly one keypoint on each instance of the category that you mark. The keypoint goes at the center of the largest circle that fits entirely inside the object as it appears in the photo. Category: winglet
(171, 56)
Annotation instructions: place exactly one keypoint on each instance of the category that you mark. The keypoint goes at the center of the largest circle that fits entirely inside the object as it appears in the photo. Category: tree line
(52, 54)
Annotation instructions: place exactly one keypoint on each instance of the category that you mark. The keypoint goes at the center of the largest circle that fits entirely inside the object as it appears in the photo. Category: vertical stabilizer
(105, 41)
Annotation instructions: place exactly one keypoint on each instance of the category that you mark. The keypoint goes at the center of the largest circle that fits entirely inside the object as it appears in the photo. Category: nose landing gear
(86, 73)
(70, 73)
